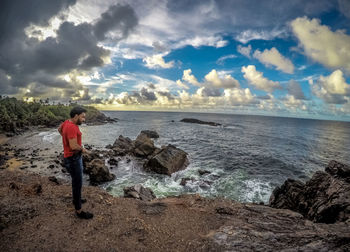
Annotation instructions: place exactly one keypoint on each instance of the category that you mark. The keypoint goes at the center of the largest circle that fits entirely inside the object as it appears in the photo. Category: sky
(278, 58)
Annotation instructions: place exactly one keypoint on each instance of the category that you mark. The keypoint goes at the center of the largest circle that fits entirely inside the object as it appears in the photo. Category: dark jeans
(74, 166)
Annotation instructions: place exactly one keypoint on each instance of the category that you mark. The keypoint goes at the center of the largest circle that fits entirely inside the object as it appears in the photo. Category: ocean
(248, 156)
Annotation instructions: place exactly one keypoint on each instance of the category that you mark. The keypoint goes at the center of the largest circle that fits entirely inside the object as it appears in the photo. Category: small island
(192, 120)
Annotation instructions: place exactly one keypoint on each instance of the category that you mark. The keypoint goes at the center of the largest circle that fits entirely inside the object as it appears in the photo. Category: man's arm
(60, 129)
(73, 144)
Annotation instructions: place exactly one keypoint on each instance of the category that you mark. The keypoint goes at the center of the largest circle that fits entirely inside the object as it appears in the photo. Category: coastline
(37, 214)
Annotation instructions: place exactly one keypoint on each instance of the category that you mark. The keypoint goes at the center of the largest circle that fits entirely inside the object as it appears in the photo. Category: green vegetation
(16, 114)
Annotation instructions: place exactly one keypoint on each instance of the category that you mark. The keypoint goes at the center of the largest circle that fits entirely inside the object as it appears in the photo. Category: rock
(150, 133)
(155, 208)
(224, 210)
(192, 120)
(338, 169)
(123, 145)
(113, 161)
(169, 160)
(202, 172)
(139, 192)
(98, 171)
(37, 188)
(51, 166)
(324, 198)
(144, 145)
(13, 186)
(54, 179)
(184, 181)
(23, 167)
(33, 166)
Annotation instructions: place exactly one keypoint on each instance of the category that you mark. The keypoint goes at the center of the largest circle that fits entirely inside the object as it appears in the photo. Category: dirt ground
(37, 214)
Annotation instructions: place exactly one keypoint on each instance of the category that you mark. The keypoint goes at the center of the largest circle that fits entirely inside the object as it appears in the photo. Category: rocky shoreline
(36, 212)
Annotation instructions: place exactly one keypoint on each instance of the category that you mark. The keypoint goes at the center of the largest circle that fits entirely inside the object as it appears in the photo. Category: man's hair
(77, 111)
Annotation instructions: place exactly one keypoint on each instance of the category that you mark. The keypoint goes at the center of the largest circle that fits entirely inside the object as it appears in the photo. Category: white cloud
(190, 78)
(258, 80)
(245, 50)
(221, 60)
(239, 96)
(320, 43)
(332, 88)
(197, 41)
(157, 61)
(181, 84)
(274, 58)
(248, 35)
(226, 81)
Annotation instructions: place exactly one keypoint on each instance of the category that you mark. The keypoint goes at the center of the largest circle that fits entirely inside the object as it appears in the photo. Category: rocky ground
(37, 214)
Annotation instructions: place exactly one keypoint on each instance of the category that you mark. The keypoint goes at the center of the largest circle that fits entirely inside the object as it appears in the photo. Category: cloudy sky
(281, 58)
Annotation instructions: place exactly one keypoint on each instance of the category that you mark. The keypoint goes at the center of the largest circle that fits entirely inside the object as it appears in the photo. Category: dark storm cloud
(27, 61)
(118, 16)
(15, 15)
(294, 89)
(147, 95)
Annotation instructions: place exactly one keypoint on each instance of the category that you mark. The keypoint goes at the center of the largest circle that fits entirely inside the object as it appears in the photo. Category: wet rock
(203, 172)
(324, 198)
(51, 166)
(169, 160)
(98, 171)
(139, 192)
(144, 145)
(192, 120)
(185, 180)
(109, 146)
(150, 133)
(113, 161)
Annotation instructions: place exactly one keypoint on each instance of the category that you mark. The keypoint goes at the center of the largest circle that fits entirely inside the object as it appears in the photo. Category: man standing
(71, 138)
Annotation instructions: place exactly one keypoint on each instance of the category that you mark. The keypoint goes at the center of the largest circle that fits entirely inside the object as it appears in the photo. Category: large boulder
(123, 145)
(98, 171)
(139, 192)
(324, 198)
(169, 160)
(144, 146)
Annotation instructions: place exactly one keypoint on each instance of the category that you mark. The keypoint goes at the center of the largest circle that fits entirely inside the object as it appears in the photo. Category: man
(71, 138)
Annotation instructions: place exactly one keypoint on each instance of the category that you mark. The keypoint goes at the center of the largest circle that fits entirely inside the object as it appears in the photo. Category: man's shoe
(85, 215)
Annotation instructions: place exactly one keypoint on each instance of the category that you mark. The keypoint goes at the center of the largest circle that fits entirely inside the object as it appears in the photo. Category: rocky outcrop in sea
(324, 198)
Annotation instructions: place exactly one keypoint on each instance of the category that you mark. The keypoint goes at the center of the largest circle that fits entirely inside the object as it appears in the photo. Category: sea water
(247, 156)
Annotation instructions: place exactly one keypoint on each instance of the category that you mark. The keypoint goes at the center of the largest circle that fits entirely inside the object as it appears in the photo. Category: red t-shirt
(69, 131)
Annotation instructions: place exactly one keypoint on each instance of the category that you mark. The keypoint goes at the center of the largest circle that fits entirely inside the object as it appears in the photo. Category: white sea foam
(49, 136)
(256, 190)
